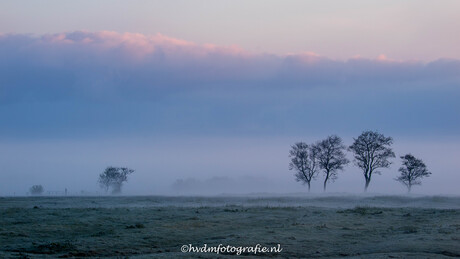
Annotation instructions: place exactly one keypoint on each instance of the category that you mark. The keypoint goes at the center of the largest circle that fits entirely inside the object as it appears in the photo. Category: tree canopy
(371, 152)
(412, 170)
(304, 162)
(331, 157)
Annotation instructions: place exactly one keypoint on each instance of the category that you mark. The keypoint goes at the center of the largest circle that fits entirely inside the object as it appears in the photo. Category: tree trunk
(367, 184)
(116, 188)
(325, 182)
(308, 186)
(409, 187)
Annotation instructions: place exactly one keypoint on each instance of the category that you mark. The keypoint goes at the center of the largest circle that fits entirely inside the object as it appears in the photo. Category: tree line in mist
(371, 152)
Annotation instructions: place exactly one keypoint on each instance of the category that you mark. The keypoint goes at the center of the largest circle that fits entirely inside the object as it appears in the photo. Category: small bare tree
(371, 152)
(36, 190)
(304, 162)
(331, 157)
(113, 177)
(412, 171)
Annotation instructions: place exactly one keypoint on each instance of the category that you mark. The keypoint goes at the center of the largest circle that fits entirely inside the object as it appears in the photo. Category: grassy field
(146, 227)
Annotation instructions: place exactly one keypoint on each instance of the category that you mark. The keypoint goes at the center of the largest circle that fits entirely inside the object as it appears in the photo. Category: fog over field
(219, 165)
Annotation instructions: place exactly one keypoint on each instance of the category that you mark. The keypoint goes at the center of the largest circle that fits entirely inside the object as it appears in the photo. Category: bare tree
(304, 162)
(113, 177)
(36, 190)
(371, 152)
(412, 171)
(331, 157)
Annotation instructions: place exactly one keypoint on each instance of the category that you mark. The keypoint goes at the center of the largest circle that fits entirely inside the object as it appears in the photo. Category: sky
(408, 30)
(206, 97)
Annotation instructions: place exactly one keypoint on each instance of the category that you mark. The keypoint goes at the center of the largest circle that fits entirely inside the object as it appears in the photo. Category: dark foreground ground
(140, 227)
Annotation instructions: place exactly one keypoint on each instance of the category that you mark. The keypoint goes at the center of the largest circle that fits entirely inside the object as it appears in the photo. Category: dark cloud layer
(84, 83)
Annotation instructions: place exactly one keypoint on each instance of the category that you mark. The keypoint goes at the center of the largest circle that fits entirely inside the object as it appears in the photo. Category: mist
(205, 166)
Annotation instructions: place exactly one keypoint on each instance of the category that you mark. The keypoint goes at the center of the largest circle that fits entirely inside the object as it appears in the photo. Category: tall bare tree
(371, 152)
(412, 170)
(113, 177)
(304, 162)
(331, 157)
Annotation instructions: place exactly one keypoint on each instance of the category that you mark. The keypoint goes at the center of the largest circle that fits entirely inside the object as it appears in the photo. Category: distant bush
(113, 177)
(36, 190)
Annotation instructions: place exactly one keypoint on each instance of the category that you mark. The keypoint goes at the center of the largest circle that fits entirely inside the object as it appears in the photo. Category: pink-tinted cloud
(138, 45)
(105, 62)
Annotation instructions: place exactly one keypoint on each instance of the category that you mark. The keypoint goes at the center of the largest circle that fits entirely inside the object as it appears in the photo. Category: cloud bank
(89, 82)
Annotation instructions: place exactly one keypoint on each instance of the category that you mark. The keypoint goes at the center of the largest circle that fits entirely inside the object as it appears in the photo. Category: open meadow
(149, 226)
